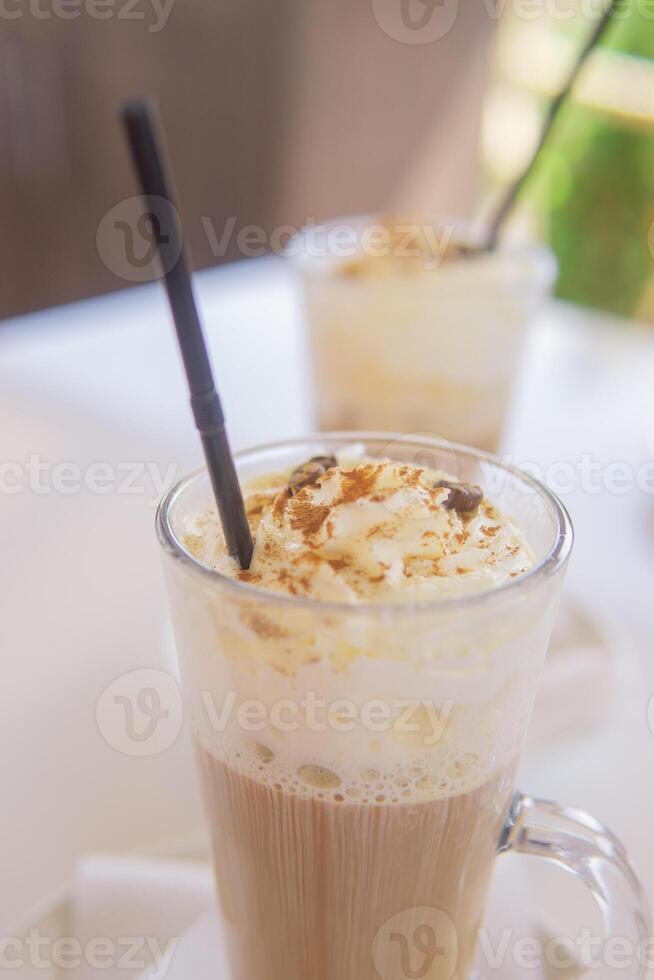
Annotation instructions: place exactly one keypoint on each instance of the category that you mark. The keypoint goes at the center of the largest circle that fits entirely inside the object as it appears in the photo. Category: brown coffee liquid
(335, 889)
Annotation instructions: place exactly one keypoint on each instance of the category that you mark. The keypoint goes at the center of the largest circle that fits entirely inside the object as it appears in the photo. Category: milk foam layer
(368, 531)
(422, 776)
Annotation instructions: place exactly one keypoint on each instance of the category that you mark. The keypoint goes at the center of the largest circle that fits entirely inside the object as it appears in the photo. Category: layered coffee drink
(386, 879)
(357, 728)
(418, 331)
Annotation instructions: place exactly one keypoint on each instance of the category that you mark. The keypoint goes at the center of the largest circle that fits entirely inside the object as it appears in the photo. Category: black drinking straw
(142, 133)
(506, 205)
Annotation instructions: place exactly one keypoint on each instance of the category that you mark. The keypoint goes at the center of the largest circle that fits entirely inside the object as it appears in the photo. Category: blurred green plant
(595, 189)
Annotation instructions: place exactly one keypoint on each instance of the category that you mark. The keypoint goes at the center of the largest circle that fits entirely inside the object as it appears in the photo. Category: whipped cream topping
(367, 531)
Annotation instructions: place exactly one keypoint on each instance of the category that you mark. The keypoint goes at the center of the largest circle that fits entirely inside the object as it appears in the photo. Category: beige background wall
(275, 110)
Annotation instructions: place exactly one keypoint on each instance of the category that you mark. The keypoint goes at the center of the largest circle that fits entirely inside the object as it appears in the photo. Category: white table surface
(82, 597)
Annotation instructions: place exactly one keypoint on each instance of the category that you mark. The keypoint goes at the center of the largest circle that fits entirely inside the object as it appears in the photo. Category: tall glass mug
(409, 333)
(358, 762)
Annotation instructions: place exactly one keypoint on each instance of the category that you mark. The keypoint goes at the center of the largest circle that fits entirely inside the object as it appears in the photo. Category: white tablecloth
(82, 593)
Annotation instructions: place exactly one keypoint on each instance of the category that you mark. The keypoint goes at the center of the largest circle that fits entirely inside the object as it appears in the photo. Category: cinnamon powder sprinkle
(338, 563)
(330, 537)
(279, 506)
(358, 482)
(379, 531)
(411, 475)
(305, 516)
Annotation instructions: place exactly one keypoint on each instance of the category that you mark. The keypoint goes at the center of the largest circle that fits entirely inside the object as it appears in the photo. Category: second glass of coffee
(410, 331)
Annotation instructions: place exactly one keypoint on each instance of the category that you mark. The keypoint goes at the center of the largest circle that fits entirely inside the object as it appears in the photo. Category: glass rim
(555, 559)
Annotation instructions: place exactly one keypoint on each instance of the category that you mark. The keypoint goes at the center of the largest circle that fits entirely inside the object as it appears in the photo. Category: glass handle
(580, 844)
